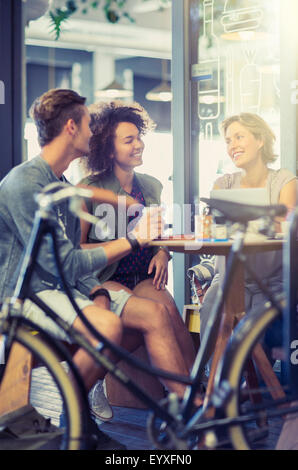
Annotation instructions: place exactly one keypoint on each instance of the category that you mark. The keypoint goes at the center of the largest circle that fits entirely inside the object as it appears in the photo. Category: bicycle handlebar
(55, 193)
(58, 192)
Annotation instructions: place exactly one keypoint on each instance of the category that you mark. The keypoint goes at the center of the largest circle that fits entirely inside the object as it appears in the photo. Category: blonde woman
(250, 143)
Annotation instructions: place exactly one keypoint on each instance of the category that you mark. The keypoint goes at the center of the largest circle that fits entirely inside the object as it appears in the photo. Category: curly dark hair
(52, 110)
(105, 118)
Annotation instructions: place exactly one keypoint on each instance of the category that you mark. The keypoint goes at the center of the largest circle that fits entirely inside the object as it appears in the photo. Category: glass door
(235, 67)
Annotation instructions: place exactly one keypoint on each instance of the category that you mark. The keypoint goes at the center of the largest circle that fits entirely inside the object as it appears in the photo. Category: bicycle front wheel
(256, 408)
(56, 383)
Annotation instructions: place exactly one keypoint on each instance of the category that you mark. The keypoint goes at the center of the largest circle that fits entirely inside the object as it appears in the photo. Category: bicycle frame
(187, 424)
(42, 227)
(290, 274)
(235, 257)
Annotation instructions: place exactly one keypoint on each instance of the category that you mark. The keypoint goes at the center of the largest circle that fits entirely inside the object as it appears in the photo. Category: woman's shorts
(59, 302)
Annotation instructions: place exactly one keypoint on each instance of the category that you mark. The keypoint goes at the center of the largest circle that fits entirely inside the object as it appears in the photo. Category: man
(62, 121)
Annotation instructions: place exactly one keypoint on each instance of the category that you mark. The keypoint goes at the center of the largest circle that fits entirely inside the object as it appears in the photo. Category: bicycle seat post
(233, 265)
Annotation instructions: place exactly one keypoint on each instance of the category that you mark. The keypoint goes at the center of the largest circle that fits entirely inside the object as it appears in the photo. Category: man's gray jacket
(17, 211)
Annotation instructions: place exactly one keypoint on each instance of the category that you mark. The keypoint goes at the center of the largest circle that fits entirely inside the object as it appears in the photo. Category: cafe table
(234, 304)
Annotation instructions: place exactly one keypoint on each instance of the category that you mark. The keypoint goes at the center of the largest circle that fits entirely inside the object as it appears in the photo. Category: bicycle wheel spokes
(260, 409)
(36, 425)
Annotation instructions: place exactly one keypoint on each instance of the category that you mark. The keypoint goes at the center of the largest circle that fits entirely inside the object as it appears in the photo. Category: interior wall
(147, 74)
(48, 68)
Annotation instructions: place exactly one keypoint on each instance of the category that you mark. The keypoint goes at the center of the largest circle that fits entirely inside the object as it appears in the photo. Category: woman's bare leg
(147, 290)
(153, 321)
(107, 323)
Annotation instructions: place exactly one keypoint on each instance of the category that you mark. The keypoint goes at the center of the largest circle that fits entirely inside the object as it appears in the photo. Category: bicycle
(248, 333)
(51, 352)
(173, 423)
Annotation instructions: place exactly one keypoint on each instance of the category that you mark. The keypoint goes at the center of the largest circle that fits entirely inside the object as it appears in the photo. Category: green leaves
(60, 15)
(57, 17)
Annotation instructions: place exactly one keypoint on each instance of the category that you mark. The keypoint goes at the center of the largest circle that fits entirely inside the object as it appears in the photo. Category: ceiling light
(161, 92)
(112, 91)
(211, 99)
(151, 5)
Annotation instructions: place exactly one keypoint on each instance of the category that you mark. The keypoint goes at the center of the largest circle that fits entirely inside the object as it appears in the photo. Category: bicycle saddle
(243, 213)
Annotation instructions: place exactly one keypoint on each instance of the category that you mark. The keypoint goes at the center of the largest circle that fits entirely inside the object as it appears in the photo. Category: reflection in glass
(238, 70)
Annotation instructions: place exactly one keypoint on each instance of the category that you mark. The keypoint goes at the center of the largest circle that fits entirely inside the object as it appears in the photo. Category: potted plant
(114, 10)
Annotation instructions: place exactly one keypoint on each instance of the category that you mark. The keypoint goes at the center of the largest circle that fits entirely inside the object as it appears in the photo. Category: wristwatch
(164, 248)
(98, 292)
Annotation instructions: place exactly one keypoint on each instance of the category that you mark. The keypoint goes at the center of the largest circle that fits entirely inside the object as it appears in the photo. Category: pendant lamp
(112, 91)
(161, 92)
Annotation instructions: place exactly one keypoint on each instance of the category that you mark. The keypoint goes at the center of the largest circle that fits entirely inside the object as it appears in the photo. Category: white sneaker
(98, 402)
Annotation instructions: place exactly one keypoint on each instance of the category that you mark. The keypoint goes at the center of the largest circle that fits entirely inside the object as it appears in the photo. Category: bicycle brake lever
(75, 206)
(47, 198)
(267, 227)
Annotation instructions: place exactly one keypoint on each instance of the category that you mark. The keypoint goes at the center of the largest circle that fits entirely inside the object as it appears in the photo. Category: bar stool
(191, 318)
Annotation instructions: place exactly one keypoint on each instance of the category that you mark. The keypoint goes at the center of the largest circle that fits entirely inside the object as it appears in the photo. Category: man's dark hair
(53, 109)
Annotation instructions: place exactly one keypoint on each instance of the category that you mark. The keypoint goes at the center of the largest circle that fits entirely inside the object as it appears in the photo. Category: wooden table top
(188, 244)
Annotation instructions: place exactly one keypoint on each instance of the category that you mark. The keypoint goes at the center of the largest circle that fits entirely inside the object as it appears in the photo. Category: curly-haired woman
(116, 149)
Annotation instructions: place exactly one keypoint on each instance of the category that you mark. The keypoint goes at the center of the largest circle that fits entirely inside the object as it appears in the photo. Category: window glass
(235, 68)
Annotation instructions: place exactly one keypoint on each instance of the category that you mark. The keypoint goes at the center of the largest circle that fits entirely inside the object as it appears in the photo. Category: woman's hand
(160, 263)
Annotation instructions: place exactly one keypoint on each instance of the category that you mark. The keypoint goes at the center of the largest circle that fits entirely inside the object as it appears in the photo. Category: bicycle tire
(246, 336)
(40, 349)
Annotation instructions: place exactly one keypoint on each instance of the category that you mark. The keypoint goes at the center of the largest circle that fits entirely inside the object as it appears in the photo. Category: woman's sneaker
(98, 402)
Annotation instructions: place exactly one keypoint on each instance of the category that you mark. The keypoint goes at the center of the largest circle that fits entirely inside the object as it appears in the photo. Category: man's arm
(75, 261)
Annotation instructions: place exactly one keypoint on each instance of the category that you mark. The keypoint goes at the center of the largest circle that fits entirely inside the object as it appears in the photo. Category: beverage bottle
(203, 224)
(219, 229)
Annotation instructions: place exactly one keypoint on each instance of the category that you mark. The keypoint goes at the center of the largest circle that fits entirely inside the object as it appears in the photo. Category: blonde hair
(259, 128)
